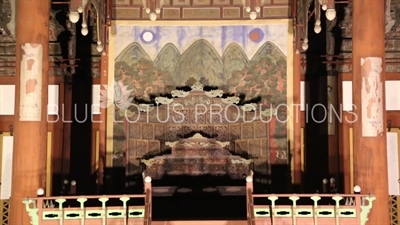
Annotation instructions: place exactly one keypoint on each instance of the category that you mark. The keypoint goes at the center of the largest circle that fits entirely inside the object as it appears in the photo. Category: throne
(198, 155)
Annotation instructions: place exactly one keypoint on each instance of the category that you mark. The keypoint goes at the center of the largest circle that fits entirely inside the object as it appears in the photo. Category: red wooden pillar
(30, 122)
(370, 162)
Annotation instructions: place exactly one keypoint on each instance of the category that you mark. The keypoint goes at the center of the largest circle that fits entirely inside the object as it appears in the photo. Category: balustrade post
(148, 191)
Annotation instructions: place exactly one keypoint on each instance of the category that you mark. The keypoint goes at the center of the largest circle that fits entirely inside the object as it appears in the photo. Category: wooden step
(206, 222)
(222, 190)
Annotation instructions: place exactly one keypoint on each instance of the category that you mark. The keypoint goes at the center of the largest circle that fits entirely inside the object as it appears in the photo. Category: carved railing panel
(94, 210)
(270, 209)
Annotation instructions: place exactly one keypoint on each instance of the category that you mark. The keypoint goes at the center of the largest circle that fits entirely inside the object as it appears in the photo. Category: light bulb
(318, 22)
(248, 9)
(324, 7)
(84, 24)
(258, 9)
(66, 181)
(147, 10)
(73, 16)
(73, 183)
(158, 10)
(40, 192)
(357, 189)
(325, 181)
(330, 14)
(80, 9)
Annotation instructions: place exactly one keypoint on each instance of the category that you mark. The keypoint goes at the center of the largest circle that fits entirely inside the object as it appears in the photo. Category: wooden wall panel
(200, 10)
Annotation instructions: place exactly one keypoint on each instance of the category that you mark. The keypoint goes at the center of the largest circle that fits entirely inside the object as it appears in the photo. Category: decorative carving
(131, 149)
(147, 131)
(242, 161)
(209, 130)
(71, 27)
(85, 7)
(260, 129)
(197, 155)
(254, 147)
(141, 148)
(252, 11)
(186, 130)
(389, 22)
(153, 8)
(154, 147)
(163, 101)
(179, 94)
(194, 100)
(179, 116)
(7, 17)
(231, 100)
(135, 131)
(173, 132)
(197, 117)
(247, 130)
(264, 147)
(214, 93)
(159, 132)
(235, 131)
(241, 146)
(222, 132)
(197, 86)
(281, 156)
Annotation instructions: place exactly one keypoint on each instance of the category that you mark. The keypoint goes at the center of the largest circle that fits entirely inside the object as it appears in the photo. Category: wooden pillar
(30, 123)
(297, 154)
(370, 162)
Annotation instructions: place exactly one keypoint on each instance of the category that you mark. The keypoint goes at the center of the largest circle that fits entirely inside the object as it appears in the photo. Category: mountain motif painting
(241, 59)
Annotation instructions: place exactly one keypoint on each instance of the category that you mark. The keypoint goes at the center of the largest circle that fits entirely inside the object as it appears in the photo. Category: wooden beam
(12, 80)
(348, 76)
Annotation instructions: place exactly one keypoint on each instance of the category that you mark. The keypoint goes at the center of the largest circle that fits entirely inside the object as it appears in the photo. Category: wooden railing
(92, 210)
(306, 209)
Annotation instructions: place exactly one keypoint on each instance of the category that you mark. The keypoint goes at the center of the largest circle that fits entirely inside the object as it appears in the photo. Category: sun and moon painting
(245, 59)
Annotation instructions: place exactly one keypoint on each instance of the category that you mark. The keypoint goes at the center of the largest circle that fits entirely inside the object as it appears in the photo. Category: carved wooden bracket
(253, 7)
(153, 8)
(329, 7)
(84, 7)
(304, 14)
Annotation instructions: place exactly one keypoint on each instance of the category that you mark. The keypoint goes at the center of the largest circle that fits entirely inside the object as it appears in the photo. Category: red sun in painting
(256, 35)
